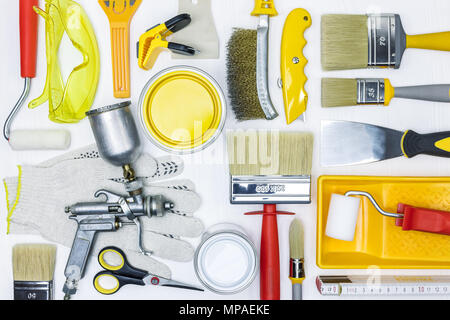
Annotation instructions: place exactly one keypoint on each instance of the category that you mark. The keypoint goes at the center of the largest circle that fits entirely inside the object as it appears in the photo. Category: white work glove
(38, 197)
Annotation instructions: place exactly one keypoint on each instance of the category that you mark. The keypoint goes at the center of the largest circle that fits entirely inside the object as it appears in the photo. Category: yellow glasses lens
(69, 102)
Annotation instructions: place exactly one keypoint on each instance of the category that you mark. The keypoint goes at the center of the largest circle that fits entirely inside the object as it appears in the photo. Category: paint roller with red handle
(343, 214)
(270, 253)
(28, 37)
(425, 220)
(25, 139)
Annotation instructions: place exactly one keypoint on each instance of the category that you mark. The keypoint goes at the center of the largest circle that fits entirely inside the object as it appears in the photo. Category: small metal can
(226, 261)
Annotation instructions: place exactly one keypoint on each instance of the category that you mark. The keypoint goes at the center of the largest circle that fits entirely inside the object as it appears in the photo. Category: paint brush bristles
(256, 153)
(33, 269)
(339, 92)
(241, 75)
(344, 42)
(296, 240)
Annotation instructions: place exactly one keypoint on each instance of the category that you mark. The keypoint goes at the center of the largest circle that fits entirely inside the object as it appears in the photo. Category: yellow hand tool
(293, 64)
(120, 14)
(153, 42)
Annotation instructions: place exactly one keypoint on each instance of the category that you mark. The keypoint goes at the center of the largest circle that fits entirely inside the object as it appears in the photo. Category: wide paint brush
(371, 41)
(270, 168)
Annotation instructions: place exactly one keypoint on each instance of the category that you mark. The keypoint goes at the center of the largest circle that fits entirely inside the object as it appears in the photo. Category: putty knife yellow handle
(432, 41)
(264, 7)
(120, 14)
(293, 64)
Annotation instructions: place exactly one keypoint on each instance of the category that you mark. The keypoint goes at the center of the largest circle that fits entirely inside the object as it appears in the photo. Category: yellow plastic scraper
(293, 64)
(120, 14)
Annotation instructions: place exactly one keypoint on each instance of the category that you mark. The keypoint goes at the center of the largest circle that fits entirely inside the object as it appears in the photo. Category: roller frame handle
(432, 41)
(435, 93)
(28, 37)
(424, 220)
(270, 253)
(434, 144)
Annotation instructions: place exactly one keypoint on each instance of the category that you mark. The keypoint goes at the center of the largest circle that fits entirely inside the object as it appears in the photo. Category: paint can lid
(226, 262)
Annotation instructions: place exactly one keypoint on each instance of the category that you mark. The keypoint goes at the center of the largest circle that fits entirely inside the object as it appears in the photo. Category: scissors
(124, 274)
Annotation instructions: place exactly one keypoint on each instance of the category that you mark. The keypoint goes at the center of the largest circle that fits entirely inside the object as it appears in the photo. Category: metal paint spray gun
(119, 144)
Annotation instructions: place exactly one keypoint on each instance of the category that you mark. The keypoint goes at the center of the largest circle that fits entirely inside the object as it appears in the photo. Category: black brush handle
(434, 144)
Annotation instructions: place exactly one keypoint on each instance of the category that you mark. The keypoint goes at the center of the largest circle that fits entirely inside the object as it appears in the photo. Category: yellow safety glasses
(69, 102)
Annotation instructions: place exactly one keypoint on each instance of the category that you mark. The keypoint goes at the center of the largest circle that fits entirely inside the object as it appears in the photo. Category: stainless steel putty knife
(350, 143)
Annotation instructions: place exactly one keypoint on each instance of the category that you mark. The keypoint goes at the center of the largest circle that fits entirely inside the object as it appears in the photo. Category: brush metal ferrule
(370, 91)
(270, 189)
(33, 290)
(382, 29)
(297, 268)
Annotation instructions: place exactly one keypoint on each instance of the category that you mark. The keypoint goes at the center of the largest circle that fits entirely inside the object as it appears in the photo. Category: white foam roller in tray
(342, 217)
(21, 140)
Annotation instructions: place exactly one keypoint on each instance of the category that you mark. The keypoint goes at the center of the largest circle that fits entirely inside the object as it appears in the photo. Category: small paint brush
(371, 41)
(351, 92)
(297, 271)
(33, 269)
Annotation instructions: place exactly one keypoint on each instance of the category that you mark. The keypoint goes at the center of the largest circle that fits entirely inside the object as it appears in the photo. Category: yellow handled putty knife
(293, 62)
(349, 143)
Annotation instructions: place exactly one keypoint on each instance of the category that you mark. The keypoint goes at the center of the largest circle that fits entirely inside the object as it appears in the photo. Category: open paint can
(182, 109)
(226, 261)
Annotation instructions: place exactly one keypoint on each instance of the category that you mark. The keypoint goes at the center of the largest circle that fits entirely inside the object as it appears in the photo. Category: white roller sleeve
(342, 217)
(40, 140)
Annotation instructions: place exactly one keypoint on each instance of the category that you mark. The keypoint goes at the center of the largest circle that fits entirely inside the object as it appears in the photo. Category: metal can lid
(226, 262)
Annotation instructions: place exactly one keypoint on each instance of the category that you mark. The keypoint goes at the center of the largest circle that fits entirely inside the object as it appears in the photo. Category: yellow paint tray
(182, 109)
(378, 241)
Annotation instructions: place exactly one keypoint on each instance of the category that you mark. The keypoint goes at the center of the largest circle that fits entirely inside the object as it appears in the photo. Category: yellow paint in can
(183, 109)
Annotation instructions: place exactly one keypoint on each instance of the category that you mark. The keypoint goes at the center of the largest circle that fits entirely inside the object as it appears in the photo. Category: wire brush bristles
(241, 75)
(344, 42)
(339, 92)
(256, 153)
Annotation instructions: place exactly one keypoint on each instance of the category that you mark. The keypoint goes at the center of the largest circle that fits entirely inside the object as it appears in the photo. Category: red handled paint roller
(25, 139)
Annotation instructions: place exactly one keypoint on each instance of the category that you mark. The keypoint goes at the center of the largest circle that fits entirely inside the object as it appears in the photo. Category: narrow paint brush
(351, 92)
(297, 269)
(33, 269)
(374, 40)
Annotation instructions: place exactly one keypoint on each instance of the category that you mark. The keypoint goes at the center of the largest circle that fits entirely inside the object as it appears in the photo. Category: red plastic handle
(270, 259)
(425, 220)
(28, 37)
(270, 253)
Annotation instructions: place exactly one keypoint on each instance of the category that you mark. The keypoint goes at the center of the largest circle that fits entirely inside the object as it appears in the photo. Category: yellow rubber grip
(432, 41)
(297, 280)
(102, 290)
(264, 7)
(106, 265)
(293, 64)
(389, 92)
